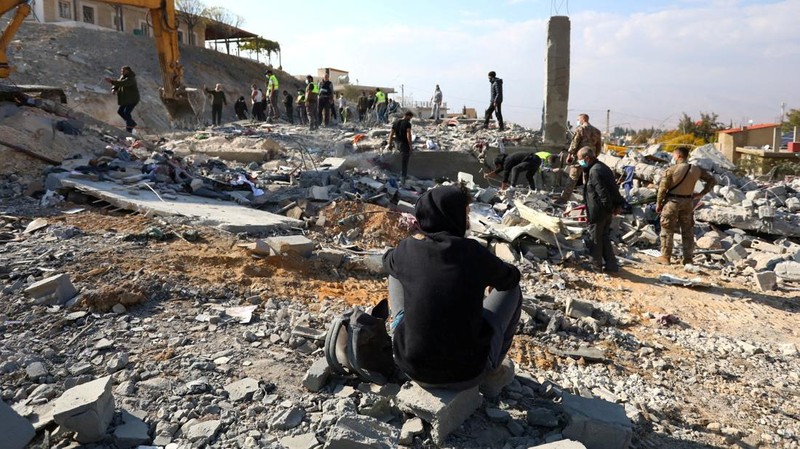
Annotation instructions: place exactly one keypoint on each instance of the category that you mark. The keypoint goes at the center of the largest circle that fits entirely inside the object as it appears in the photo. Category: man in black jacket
(446, 334)
(513, 166)
(603, 200)
(496, 102)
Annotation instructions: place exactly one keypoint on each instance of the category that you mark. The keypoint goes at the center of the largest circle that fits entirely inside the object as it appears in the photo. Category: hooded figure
(446, 334)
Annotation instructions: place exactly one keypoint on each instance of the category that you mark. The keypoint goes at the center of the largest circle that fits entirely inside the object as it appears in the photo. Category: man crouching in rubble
(676, 206)
(446, 333)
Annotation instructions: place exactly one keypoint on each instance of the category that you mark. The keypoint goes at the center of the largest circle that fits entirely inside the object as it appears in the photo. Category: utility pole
(783, 112)
(608, 122)
(402, 95)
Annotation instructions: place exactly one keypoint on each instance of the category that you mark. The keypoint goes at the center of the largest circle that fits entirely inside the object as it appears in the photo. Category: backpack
(357, 343)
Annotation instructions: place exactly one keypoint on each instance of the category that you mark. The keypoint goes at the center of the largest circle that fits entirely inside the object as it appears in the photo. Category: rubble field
(133, 314)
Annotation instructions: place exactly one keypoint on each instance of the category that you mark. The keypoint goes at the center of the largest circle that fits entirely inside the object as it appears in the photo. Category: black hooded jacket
(443, 337)
(496, 91)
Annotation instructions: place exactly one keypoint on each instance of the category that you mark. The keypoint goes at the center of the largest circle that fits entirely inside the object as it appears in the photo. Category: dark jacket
(217, 97)
(443, 337)
(497, 91)
(325, 89)
(518, 158)
(127, 89)
(600, 192)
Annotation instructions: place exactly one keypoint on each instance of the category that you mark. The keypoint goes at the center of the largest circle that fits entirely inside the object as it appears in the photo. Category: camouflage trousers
(678, 216)
(575, 173)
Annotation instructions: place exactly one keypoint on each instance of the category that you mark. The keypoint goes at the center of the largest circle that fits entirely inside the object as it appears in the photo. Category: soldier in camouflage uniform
(586, 135)
(674, 203)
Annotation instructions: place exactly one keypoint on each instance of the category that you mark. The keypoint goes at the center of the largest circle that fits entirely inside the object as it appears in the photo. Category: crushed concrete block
(361, 432)
(764, 261)
(334, 256)
(35, 370)
(578, 308)
(789, 270)
(766, 280)
(304, 441)
(16, 431)
(55, 290)
(563, 444)
(317, 375)
(445, 410)
(203, 432)
(242, 390)
(319, 193)
(497, 415)
(542, 417)
(709, 241)
(505, 252)
(132, 432)
(736, 253)
(793, 204)
(487, 195)
(411, 428)
(596, 423)
(374, 263)
(292, 243)
(760, 245)
(86, 409)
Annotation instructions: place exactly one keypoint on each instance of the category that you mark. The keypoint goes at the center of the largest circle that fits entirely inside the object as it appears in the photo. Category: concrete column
(556, 89)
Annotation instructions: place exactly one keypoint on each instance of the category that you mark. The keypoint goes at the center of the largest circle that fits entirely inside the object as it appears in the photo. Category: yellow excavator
(165, 32)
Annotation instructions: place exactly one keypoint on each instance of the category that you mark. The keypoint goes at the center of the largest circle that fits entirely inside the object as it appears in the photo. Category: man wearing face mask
(676, 206)
(603, 200)
(446, 333)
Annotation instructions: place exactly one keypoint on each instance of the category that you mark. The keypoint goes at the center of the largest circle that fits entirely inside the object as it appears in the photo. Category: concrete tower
(556, 88)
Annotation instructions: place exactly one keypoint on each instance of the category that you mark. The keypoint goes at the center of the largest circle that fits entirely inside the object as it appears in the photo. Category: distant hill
(77, 59)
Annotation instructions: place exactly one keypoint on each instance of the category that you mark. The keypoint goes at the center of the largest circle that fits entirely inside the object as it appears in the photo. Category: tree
(228, 21)
(260, 45)
(703, 130)
(192, 13)
(792, 120)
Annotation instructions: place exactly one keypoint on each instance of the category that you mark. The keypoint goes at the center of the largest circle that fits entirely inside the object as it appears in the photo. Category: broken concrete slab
(203, 432)
(298, 244)
(789, 270)
(361, 432)
(224, 215)
(86, 409)
(411, 428)
(16, 431)
(563, 444)
(736, 253)
(132, 432)
(578, 308)
(542, 417)
(54, 290)
(596, 423)
(304, 441)
(445, 410)
(242, 390)
(317, 375)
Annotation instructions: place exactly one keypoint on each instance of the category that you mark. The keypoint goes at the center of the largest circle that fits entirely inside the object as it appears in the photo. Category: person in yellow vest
(301, 107)
(312, 93)
(549, 162)
(272, 96)
(380, 106)
(675, 203)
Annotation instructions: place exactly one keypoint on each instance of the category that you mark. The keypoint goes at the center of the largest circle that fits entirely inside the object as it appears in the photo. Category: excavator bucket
(181, 113)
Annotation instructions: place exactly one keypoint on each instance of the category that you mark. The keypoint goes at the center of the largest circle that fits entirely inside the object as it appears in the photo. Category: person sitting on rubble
(513, 166)
(446, 333)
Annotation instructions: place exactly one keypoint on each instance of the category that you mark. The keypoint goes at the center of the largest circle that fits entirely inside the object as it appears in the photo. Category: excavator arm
(23, 9)
(165, 33)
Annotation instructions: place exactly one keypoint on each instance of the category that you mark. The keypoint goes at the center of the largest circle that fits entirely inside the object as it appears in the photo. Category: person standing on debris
(257, 98)
(603, 200)
(301, 107)
(240, 108)
(513, 166)
(312, 91)
(446, 333)
(343, 108)
(496, 102)
(380, 106)
(363, 105)
(325, 100)
(675, 203)
(436, 104)
(585, 135)
(127, 91)
(218, 100)
(401, 135)
(272, 96)
(288, 104)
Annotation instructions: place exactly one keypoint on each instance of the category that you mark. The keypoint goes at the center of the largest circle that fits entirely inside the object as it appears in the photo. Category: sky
(648, 62)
